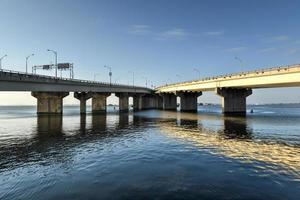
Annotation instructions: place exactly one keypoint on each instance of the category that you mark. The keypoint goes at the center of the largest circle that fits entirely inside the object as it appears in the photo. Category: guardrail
(68, 79)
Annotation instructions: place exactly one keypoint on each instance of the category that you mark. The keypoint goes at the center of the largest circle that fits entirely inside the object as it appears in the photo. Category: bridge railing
(39, 76)
(259, 71)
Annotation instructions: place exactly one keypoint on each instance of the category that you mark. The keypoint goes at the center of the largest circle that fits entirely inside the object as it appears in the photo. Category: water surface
(150, 154)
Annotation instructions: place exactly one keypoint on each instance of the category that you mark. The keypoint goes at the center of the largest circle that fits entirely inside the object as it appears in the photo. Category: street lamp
(55, 53)
(240, 60)
(27, 62)
(146, 80)
(110, 73)
(1, 60)
(198, 71)
(132, 77)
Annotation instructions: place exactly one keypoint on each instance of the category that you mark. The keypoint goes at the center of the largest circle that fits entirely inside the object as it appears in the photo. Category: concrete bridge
(50, 92)
(233, 88)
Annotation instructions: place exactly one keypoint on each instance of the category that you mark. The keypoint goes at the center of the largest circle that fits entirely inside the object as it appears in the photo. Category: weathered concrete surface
(83, 97)
(169, 101)
(188, 101)
(49, 102)
(233, 100)
(123, 102)
(99, 102)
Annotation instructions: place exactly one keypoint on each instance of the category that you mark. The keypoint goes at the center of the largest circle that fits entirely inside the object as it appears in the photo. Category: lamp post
(198, 71)
(132, 77)
(178, 76)
(27, 62)
(110, 73)
(146, 80)
(55, 53)
(1, 60)
(240, 60)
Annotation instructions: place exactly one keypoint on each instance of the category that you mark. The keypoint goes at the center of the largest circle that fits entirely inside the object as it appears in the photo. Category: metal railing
(259, 71)
(38, 76)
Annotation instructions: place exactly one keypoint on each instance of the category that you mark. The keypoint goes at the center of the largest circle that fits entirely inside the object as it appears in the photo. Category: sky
(161, 41)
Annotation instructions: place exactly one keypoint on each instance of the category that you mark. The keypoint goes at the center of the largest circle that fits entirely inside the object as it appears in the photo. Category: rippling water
(150, 154)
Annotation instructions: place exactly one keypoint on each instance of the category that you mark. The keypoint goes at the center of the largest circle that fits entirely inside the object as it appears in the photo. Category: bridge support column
(49, 102)
(138, 102)
(99, 102)
(83, 97)
(188, 101)
(233, 100)
(123, 102)
(148, 101)
(158, 102)
(169, 101)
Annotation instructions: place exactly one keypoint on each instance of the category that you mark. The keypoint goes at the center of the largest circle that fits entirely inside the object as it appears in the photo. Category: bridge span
(50, 92)
(233, 88)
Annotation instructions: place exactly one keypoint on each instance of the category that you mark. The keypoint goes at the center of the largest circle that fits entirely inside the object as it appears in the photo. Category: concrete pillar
(83, 97)
(99, 102)
(169, 101)
(159, 102)
(49, 102)
(123, 102)
(233, 100)
(137, 102)
(188, 101)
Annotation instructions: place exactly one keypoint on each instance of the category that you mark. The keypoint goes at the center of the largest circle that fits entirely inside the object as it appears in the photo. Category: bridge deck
(18, 81)
(287, 76)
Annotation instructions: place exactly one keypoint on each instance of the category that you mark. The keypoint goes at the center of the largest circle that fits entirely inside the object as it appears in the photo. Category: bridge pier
(83, 97)
(169, 101)
(158, 102)
(99, 102)
(188, 101)
(123, 102)
(49, 102)
(137, 102)
(233, 100)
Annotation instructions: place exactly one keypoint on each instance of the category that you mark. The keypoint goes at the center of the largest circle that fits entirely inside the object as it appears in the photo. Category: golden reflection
(234, 140)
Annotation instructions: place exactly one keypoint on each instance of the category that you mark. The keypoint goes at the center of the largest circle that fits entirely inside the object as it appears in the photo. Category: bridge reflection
(234, 139)
(229, 137)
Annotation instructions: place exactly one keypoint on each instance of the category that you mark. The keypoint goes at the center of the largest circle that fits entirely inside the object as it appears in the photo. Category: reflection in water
(99, 123)
(49, 124)
(236, 128)
(234, 140)
(152, 154)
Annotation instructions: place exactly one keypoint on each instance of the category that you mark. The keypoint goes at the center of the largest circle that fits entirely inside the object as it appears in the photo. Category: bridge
(233, 88)
(50, 92)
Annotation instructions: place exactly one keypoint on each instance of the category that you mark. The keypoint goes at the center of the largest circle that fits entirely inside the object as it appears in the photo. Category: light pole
(198, 71)
(146, 80)
(240, 60)
(178, 76)
(132, 77)
(55, 53)
(1, 60)
(27, 62)
(110, 73)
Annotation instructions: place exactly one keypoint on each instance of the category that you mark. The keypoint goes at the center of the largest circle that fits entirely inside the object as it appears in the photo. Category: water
(150, 154)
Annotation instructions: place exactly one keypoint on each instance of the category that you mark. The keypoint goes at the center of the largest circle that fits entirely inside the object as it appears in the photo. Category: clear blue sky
(156, 39)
